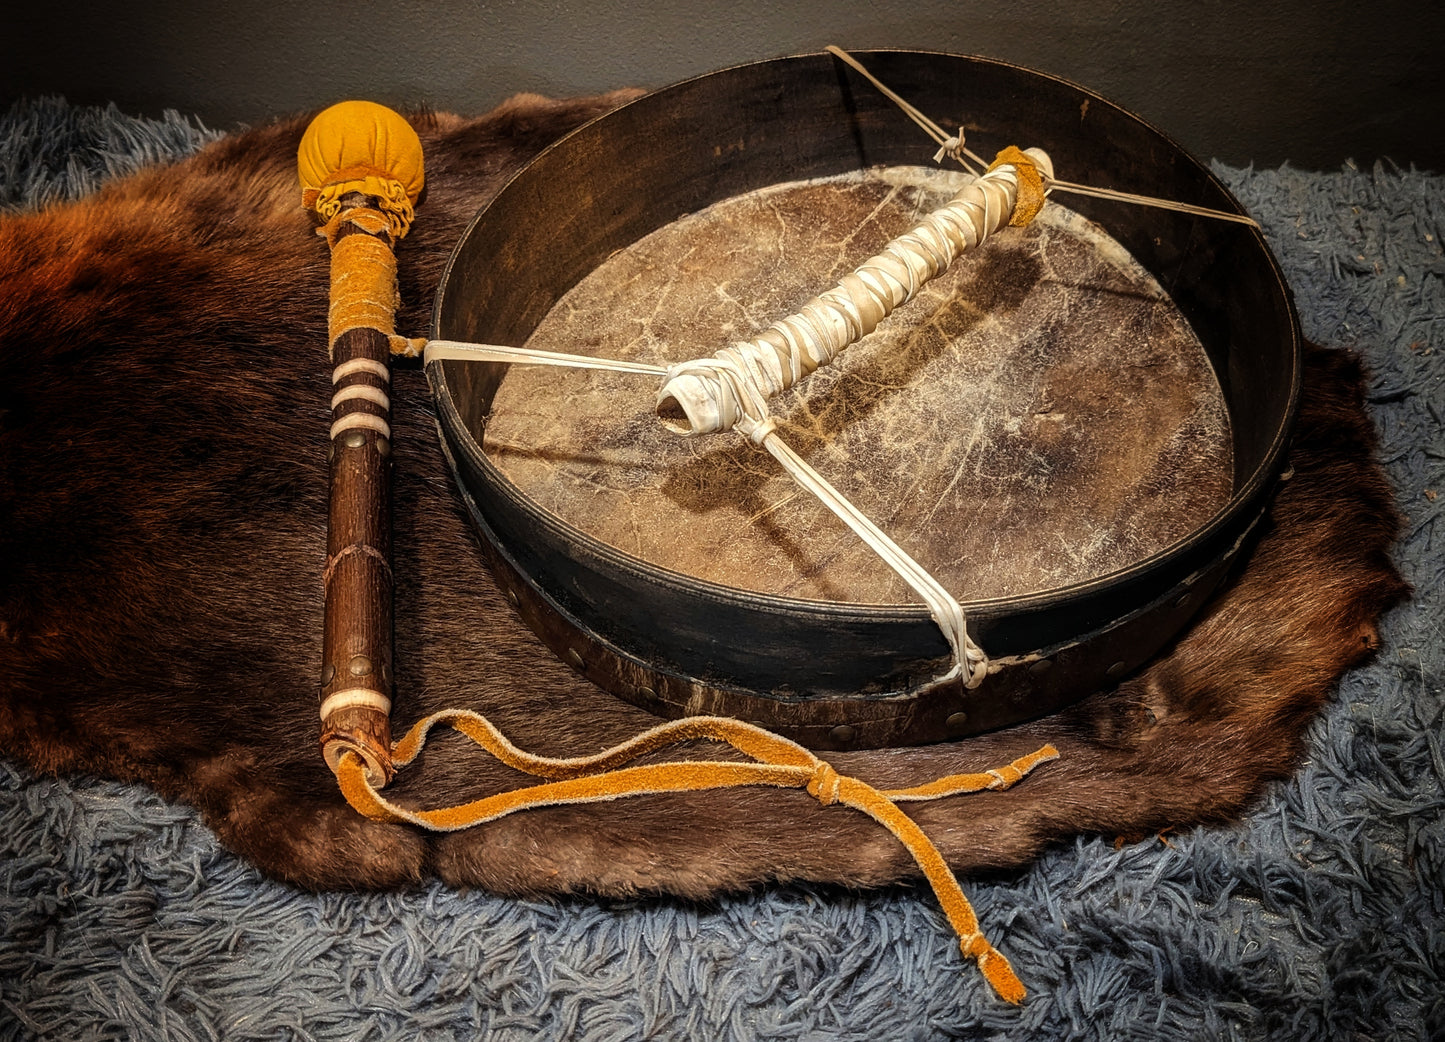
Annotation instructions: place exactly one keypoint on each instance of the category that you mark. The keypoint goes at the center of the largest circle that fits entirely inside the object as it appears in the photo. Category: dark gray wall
(1314, 83)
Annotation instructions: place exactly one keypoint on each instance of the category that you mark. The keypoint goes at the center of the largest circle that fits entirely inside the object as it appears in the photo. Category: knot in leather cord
(757, 431)
(951, 148)
(824, 784)
(1004, 776)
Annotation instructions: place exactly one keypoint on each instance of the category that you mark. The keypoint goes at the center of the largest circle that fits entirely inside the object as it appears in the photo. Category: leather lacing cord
(776, 761)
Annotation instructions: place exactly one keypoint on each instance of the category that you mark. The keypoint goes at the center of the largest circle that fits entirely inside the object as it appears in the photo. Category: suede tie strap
(776, 761)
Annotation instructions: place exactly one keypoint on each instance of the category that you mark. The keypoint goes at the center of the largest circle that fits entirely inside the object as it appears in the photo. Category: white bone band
(355, 698)
(360, 365)
(364, 392)
(361, 420)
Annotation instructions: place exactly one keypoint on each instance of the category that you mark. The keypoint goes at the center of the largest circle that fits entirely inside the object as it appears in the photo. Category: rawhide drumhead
(1073, 429)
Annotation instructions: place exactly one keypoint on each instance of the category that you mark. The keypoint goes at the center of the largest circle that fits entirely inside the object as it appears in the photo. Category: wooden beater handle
(360, 166)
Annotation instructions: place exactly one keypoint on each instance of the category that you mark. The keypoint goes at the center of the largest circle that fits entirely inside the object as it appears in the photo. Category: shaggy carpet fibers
(1320, 915)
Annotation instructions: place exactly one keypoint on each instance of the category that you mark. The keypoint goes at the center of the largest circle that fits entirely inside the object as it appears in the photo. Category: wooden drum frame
(838, 675)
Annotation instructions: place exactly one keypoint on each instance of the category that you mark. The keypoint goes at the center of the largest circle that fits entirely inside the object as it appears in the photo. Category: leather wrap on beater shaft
(363, 278)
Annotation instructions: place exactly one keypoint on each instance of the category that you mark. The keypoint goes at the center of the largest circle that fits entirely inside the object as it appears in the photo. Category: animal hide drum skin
(164, 387)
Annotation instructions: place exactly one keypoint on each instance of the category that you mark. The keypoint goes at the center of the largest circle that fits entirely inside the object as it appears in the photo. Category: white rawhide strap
(705, 395)
(969, 660)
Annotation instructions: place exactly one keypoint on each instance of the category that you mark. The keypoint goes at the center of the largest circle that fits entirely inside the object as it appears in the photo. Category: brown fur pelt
(164, 388)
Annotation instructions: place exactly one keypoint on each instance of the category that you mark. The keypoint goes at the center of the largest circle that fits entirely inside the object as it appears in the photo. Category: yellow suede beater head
(360, 146)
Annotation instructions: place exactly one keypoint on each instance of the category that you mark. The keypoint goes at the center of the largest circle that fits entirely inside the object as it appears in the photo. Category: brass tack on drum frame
(359, 666)
(843, 734)
(354, 439)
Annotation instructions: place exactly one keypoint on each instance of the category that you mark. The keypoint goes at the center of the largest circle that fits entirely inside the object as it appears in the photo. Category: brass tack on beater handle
(360, 166)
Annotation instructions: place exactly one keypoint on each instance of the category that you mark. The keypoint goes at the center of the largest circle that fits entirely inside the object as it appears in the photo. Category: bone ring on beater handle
(360, 166)
(706, 395)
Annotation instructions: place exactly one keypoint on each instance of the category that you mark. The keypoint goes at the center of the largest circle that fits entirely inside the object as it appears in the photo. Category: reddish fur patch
(162, 523)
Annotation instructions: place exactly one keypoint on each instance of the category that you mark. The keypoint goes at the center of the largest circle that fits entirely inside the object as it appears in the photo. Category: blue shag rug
(1321, 915)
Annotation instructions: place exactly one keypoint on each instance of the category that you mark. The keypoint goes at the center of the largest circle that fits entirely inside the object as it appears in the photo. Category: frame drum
(1074, 429)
